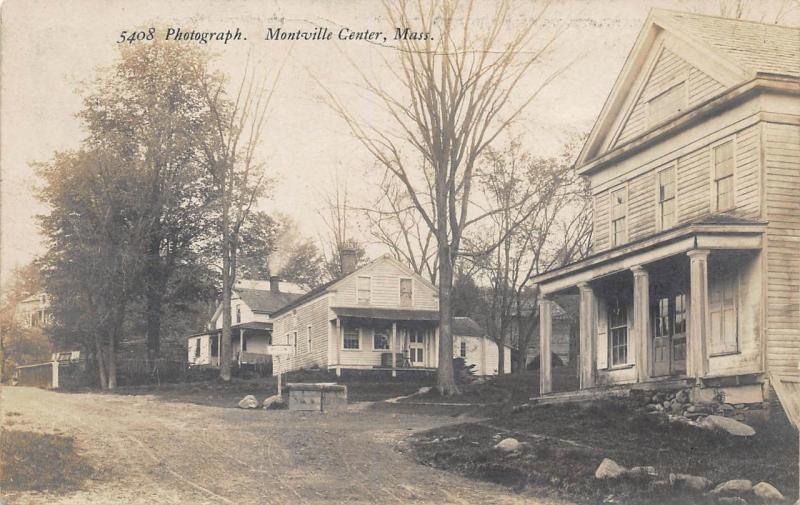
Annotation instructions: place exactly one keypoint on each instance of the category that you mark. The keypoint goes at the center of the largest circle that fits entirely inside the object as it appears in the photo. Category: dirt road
(151, 451)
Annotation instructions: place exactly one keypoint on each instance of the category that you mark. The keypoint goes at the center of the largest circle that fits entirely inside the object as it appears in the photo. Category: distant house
(475, 347)
(694, 167)
(564, 335)
(34, 311)
(382, 316)
(252, 306)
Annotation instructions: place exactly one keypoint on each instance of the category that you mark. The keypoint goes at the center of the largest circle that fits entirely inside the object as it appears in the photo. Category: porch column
(241, 344)
(337, 344)
(641, 321)
(697, 358)
(545, 333)
(588, 340)
(392, 348)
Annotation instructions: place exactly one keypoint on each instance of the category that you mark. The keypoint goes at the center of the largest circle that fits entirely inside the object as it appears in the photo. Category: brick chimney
(274, 284)
(348, 259)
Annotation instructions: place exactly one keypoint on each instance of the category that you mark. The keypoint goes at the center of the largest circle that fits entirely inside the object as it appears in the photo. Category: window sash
(380, 340)
(725, 193)
(364, 290)
(723, 160)
(618, 231)
(351, 338)
(618, 333)
(406, 292)
(722, 312)
(463, 349)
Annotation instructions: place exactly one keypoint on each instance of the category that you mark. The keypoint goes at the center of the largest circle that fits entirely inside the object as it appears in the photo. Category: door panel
(668, 314)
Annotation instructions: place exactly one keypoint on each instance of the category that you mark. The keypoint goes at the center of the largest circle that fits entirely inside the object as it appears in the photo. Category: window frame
(309, 345)
(342, 346)
(722, 347)
(359, 289)
(238, 313)
(382, 331)
(673, 167)
(400, 292)
(611, 235)
(197, 348)
(463, 349)
(623, 304)
(714, 204)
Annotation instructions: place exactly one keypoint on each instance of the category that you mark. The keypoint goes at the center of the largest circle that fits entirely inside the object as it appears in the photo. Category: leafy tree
(148, 110)
(304, 266)
(96, 234)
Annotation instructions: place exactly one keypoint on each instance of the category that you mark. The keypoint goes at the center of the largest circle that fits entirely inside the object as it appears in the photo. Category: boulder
(731, 426)
(767, 492)
(682, 396)
(508, 445)
(642, 472)
(248, 402)
(731, 500)
(271, 400)
(424, 390)
(685, 481)
(733, 487)
(609, 469)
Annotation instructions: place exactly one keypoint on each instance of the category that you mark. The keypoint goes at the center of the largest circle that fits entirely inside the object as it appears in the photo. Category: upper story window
(238, 314)
(666, 104)
(619, 210)
(364, 290)
(463, 350)
(666, 197)
(406, 292)
(308, 338)
(723, 176)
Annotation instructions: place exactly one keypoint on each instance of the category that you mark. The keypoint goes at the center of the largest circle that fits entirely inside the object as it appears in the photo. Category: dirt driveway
(151, 451)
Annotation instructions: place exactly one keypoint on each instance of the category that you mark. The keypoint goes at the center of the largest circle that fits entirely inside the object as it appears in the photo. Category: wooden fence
(39, 375)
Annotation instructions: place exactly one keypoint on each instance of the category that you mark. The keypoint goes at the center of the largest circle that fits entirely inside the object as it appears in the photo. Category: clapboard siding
(669, 68)
(694, 179)
(314, 313)
(747, 195)
(782, 160)
(641, 206)
(385, 287)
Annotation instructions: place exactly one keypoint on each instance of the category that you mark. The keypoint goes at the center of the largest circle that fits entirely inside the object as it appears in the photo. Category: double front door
(669, 318)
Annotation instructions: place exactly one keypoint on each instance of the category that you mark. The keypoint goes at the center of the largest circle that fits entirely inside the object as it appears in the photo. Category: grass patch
(616, 429)
(32, 461)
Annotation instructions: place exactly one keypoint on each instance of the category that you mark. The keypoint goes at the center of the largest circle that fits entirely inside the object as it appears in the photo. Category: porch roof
(250, 325)
(714, 232)
(387, 314)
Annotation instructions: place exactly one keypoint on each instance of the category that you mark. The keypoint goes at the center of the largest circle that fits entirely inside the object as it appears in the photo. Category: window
(364, 290)
(416, 339)
(722, 311)
(666, 198)
(406, 292)
(618, 213)
(351, 338)
(238, 314)
(380, 339)
(308, 337)
(666, 104)
(723, 176)
(214, 346)
(463, 352)
(294, 341)
(197, 348)
(618, 332)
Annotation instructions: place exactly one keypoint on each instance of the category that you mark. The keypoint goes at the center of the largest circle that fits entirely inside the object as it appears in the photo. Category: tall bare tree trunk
(225, 354)
(101, 362)
(154, 299)
(445, 378)
(112, 361)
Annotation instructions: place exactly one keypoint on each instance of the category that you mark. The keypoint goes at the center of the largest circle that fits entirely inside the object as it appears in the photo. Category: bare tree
(455, 99)
(396, 224)
(238, 178)
(550, 201)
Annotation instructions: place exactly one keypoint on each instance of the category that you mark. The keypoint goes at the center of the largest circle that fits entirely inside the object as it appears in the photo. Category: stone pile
(731, 492)
(678, 403)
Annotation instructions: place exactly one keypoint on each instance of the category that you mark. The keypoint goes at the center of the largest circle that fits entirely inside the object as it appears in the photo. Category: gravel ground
(150, 451)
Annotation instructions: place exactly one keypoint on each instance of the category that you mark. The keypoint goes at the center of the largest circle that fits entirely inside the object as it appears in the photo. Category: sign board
(280, 350)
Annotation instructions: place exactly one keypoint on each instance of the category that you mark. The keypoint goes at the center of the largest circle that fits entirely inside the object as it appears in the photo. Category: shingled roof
(757, 47)
(265, 301)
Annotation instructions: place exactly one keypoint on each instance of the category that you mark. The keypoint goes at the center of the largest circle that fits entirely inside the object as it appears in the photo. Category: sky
(51, 50)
